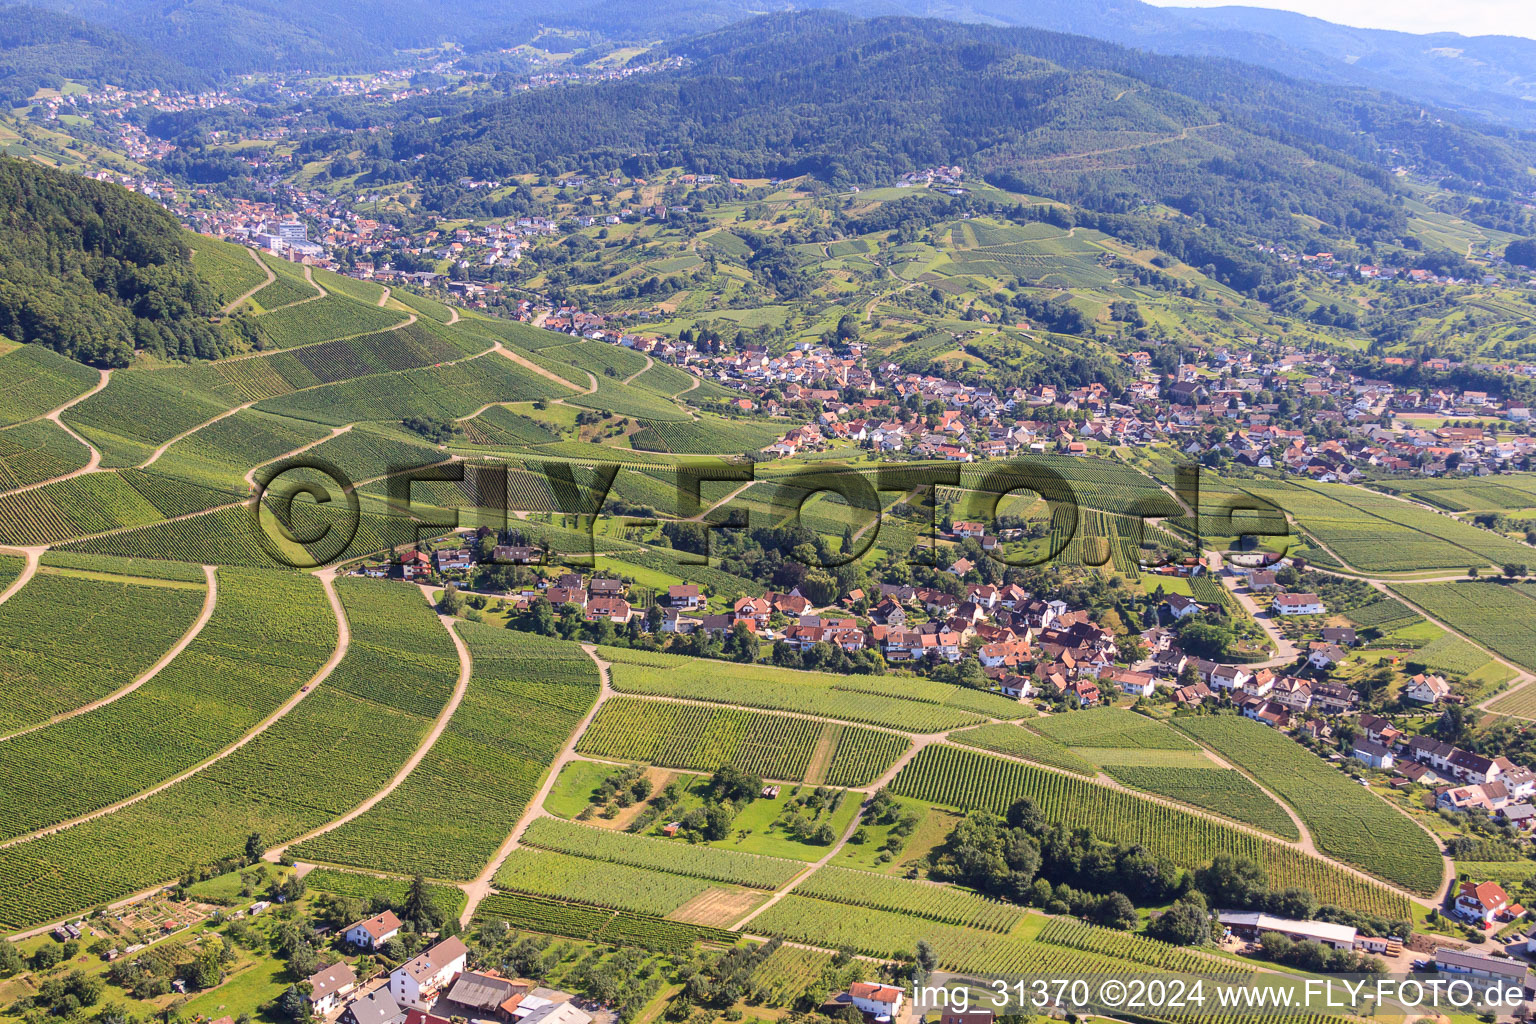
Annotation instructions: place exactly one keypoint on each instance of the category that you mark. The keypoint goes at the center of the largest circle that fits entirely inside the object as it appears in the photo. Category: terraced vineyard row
(692, 736)
(525, 697)
(1222, 790)
(400, 655)
(1020, 742)
(37, 451)
(1111, 727)
(1346, 821)
(35, 380)
(920, 899)
(447, 392)
(268, 635)
(775, 689)
(616, 886)
(313, 765)
(1495, 615)
(70, 641)
(532, 913)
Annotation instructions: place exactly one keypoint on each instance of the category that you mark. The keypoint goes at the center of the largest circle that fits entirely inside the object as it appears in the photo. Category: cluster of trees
(1024, 859)
(94, 271)
(884, 810)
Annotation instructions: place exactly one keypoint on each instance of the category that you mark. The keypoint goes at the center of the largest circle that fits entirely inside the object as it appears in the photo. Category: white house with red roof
(1481, 902)
(373, 932)
(883, 1002)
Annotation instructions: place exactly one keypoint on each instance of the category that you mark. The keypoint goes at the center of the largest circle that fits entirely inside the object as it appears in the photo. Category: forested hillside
(40, 49)
(95, 271)
(1064, 116)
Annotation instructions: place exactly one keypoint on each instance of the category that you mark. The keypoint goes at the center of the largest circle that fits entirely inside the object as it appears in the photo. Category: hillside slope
(94, 271)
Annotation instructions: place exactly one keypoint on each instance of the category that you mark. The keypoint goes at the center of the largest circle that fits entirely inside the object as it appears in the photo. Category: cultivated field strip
(638, 851)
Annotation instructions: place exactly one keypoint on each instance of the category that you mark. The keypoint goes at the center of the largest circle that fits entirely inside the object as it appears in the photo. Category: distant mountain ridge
(1491, 78)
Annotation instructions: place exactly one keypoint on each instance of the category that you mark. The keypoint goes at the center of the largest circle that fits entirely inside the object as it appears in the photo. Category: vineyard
(789, 971)
(1345, 820)
(280, 373)
(536, 914)
(448, 898)
(313, 765)
(1221, 790)
(1111, 727)
(324, 319)
(400, 656)
(68, 642)
(140, 409)
(525, 696)
(1119, 946)
(660, 854)
(268, 635)
(1495, 615)
(1375, 533)
(231, 269)
(615, 886)
(959, 778)
(136, 568)
(37, 451)
(35, 380)
(760, 686)
(448, 391)
(499, 425)
(710, 435)
(940, 903)
(860, 756)
(704, 738)
(1017, 741)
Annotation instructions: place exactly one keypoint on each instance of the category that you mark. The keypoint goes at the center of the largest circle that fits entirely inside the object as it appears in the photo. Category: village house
(1480, 903)
(377, 1007)
(1373, 754)
(328, 985)
(1427, 689)
(1297, 604)
(686, 596)
(883, 1002)
(417, 983)
(373, 932)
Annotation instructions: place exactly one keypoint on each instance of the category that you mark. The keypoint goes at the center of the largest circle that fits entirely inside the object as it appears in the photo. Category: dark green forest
(40, 49)
(94, 271)
(1097, 125)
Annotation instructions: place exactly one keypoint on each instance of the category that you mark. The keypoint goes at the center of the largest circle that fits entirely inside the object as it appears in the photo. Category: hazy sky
(1469, 17)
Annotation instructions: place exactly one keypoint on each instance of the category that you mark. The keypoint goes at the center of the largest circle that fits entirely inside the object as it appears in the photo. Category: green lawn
(572, 791)
(245, 991)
